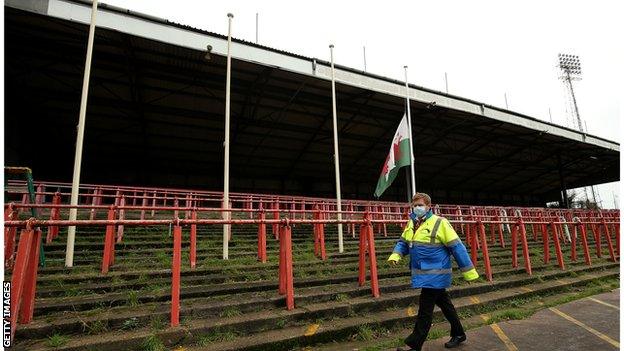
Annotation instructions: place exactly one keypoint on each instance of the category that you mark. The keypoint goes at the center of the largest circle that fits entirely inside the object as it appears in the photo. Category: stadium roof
(156, 106)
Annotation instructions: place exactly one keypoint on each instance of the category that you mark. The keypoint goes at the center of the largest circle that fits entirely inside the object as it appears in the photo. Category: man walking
(430, 241)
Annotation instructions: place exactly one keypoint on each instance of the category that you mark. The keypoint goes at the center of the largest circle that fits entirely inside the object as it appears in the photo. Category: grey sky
(488, 48)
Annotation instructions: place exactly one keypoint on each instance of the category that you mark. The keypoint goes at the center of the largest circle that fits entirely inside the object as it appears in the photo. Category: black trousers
(428, 299)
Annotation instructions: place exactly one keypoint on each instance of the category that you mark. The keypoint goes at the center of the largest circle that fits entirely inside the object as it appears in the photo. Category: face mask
(419, 211)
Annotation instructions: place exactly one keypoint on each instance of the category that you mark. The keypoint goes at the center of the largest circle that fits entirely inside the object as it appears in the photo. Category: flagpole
(226, 168)
(73, 211)
(336, 160)
(409, 126)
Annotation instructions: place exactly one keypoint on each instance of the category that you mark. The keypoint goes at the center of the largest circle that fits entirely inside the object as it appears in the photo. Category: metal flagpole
(364, 48)
(409, 126)
(336, 159)
(226, 168)
(73, 212)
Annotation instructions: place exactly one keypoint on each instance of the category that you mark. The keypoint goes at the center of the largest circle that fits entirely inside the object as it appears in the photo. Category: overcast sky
(487, 48)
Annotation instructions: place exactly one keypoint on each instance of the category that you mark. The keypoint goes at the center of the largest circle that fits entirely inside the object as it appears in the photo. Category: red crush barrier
(292, 210)
(582, 230)
(525, 247)
(319, 236)
(286, 285)
(25, 201)
(109, 243)
(514, 245)
(30, 279)
(153, 203)
(617, 237)
(383, 216)
(484, 250)
(55, 213)
(262, 255)
(367, 243)
(144, 204)
(187, 203)
(193, 253)
(492, 232)
(94, 201)
(558, 252)
(276, 216)
(9, 237)
(546, 244)
(608, 236)
(122, 215)
(573, 243)
(117, 197)
(39, 198)
(175, 275)
(176, 204)
(595, 233)
(351, 226)
(544, 228)
(471, 233)
(24, 278)
(362, 255)
(461, 218)
(598, 238)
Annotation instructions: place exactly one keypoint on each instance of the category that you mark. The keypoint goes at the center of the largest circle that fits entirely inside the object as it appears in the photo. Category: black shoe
(455, 341)
(406, 348)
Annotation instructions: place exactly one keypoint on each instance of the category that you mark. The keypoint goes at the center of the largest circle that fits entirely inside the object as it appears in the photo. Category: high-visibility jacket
(430, 249)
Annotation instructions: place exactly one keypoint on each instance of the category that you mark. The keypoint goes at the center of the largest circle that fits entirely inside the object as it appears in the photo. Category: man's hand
(394, 258)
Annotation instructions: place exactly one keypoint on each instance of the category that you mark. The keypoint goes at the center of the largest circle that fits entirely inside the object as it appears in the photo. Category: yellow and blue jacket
(430, 248)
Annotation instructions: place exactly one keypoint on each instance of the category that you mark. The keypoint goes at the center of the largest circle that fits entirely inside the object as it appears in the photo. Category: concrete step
(58, 286)
(371, 311)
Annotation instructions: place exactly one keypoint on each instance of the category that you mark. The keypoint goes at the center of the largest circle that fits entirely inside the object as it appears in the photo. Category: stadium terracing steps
(234, 304)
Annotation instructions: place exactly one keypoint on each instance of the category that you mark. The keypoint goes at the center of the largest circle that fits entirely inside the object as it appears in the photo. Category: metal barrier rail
(25, 269)
(471, 221)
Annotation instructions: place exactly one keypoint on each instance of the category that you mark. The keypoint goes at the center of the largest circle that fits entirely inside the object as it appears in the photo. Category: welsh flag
(398, 156)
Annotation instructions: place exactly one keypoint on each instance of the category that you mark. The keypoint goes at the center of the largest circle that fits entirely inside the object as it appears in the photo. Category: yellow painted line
(501, 335)
(504, 338)
(604, 303)
(474, 299)
(411, 311)
(586, 327)
(524, 288)
(311, 329)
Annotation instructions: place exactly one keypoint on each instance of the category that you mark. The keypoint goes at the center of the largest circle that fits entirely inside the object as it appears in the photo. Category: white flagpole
(336, 159)
(226, 159)
(409, 126)
(73, 212)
